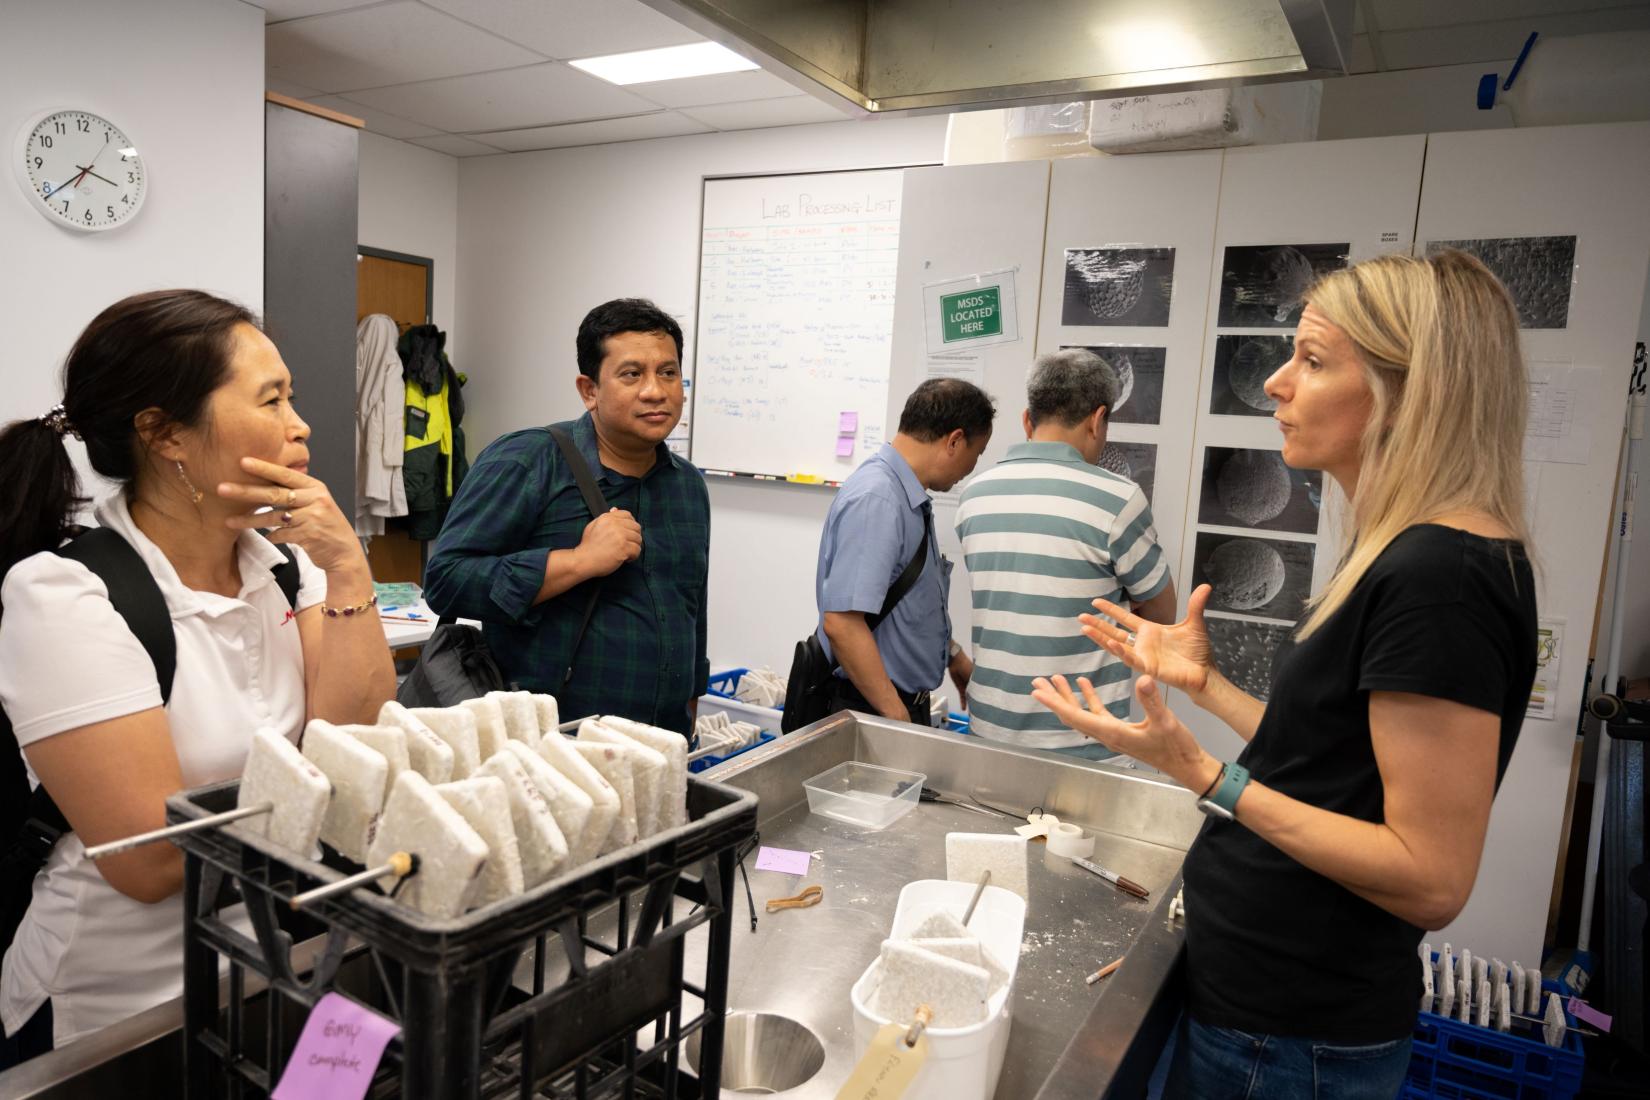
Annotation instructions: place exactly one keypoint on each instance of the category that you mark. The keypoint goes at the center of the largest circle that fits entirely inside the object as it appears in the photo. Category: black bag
(30, 821)
(456, 664)
(808, 689)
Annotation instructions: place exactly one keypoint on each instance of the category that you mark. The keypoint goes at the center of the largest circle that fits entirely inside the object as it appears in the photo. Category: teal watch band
(1233, 779)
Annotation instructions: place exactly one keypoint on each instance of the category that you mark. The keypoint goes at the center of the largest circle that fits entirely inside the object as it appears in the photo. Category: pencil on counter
(1103, 972)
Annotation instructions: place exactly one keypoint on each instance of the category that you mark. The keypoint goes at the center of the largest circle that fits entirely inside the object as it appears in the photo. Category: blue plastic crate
(1452, 1060)
(704, 762)
(725, 683)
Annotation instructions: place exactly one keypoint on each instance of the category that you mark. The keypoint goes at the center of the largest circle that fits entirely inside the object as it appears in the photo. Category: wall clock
(80, 170)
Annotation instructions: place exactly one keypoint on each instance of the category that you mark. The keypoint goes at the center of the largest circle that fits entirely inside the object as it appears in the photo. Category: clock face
(80, 170)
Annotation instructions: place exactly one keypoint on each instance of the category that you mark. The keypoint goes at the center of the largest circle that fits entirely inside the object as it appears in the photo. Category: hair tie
(58, 421)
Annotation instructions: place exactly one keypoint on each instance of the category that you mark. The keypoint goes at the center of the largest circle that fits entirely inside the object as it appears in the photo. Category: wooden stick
(1103, 972)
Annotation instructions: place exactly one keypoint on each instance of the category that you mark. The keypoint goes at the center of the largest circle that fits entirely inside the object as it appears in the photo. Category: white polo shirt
(67, 660)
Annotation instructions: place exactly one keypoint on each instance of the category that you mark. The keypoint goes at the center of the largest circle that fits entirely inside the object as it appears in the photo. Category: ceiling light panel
(669, 63)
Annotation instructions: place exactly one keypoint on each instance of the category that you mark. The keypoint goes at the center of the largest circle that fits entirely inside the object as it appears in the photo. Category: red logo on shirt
(290, 615)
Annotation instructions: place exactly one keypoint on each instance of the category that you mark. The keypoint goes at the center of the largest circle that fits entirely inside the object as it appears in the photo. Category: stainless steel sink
(763, 1053)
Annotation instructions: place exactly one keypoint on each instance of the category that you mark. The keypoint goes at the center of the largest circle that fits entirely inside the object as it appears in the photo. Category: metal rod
(98, 851)
(1624, 551)
(400, 865)
(985, 877)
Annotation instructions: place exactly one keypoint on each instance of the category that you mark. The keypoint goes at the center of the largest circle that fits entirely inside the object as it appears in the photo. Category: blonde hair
(1438, 338)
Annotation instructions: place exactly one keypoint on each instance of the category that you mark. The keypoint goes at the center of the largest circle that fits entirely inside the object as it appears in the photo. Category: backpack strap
(286, 575)
(134, 594)
(597, 504)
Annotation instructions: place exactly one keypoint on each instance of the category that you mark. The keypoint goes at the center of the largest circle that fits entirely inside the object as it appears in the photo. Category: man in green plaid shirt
(521, 552)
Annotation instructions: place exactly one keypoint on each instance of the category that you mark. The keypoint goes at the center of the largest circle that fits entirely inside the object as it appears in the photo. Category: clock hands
(87, 170)
(71, 184)
(84, 172)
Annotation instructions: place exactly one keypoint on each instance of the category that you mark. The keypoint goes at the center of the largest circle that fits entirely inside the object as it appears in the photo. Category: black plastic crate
(612, 1025)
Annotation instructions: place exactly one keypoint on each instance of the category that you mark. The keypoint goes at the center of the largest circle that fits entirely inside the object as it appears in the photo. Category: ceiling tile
(572, 28)
(1363, 59)
(455, 146)
(702, 91)
(379, 122)
(278, 11)
(634, 128)
(391, 44)
(540, 95)
(789, 111)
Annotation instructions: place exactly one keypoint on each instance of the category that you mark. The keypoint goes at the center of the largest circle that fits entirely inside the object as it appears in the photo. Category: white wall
(184, 79)
(545, 236)
(409, 203)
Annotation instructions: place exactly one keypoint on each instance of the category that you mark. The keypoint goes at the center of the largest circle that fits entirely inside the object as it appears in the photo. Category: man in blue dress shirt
(873, 529)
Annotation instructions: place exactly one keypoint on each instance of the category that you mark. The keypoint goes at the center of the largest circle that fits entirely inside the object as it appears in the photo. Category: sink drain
(763, 1053)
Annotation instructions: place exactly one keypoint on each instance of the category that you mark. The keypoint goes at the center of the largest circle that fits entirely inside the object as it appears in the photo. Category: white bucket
(963, 1062)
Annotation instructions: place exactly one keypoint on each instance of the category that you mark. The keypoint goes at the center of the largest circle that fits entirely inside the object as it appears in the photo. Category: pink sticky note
(1587, 1014)
(783, 860)
(337, 1054)
(844, 446)
(847, 423)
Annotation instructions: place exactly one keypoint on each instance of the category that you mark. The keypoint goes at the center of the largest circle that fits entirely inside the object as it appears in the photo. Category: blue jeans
(1217, 1063)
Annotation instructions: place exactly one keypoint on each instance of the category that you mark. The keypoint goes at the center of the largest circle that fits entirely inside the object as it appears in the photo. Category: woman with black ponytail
(186, 406)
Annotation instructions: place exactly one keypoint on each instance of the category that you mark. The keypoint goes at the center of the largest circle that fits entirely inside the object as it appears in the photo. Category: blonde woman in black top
(1355, 817)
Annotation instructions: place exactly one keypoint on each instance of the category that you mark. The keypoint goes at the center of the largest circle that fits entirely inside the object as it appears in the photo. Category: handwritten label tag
(783, 860)
(337, 1054)
(1587, 1014)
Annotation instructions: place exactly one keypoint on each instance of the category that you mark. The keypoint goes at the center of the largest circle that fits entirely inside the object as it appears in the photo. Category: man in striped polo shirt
(1045, 532)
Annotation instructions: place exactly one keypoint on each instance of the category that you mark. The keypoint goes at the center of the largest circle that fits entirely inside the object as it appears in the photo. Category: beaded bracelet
(334, 612)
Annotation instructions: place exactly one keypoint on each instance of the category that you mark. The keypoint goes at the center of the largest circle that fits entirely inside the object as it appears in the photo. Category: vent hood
(884, 56)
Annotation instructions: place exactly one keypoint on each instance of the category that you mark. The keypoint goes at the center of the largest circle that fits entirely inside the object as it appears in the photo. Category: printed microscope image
(1535, 270)
(1140, 375)
(1245, 651)
(1261, 285)
(1246, 487)
(1242, 366)
(1118, 286)
(1135, 461)
(1271, 578)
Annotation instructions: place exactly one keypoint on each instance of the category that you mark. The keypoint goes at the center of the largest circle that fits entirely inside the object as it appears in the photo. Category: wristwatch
(1221, 802)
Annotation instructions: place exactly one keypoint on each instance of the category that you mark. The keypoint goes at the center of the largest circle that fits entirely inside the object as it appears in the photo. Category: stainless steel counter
(1069, 1041)
(802, 963)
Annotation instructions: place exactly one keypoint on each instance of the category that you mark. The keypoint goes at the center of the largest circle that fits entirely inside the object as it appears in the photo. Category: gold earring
(195, 494)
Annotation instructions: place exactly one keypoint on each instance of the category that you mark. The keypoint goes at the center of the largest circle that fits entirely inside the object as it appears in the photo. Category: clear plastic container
(864, 794)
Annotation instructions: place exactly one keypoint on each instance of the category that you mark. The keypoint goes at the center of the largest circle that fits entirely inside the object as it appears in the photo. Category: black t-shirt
(1273, 947)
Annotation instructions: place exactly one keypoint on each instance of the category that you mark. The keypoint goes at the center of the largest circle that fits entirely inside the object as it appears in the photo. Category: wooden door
(399, 288)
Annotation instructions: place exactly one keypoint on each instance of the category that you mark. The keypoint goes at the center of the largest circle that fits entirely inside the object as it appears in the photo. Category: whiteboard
(796, 321)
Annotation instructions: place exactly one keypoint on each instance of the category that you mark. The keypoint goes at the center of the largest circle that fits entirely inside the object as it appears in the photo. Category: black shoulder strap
(134, 594)
(902, 584)
(286, 575)
(137, 597)
(597, 504)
